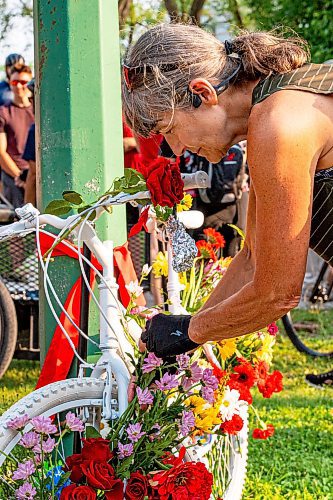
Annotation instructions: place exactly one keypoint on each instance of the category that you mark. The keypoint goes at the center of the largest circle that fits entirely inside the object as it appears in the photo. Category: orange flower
(214, 238)
(206, 250)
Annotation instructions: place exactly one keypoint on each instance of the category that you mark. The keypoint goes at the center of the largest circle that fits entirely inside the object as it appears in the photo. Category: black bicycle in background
(308, 330)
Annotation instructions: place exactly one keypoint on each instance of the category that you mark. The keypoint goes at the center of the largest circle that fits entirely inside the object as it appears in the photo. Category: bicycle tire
(8, 328)
(86, 392)
(297, 341)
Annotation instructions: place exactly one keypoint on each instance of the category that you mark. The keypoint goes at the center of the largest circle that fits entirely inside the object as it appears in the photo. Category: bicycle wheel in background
(8, 328)
(310, 331)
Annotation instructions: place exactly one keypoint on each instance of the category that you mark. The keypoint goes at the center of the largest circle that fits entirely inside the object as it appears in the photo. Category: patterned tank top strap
(315, 78)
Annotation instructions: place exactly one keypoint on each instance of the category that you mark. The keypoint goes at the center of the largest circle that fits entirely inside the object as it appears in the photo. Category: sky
(19, 39)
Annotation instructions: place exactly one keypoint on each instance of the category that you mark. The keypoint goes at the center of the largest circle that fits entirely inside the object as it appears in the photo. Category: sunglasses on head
(130, 73)
(15, 83)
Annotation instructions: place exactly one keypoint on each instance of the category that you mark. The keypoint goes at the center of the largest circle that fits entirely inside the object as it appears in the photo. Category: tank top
(316, 78)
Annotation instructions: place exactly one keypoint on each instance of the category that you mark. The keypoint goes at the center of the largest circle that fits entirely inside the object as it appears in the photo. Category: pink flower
(47, 446)
(208, 394)
(145, 397)
(209, 379)
(134, 432)
(24, 470)
(183, 361)
(187, 383)
(272, 329)
(17, 423)
(187, 423)
(25, 492)
(30, 439)
(43, 425)
(151, 363)
(167, 382)
(74, 423)
(125, 450)
(196, 371)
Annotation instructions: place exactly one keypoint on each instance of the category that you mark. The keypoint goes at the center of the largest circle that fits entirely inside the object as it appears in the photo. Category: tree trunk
(173, 11)
(234, 7)
(123, 10)
(195, 11)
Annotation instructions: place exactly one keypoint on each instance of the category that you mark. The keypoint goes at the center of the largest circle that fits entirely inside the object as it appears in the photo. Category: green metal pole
(78, 119)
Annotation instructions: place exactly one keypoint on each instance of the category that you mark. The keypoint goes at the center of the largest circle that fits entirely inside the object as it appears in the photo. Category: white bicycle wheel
(51, 400)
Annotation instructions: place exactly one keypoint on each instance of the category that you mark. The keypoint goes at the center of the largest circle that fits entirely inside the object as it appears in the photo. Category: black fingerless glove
(167, 336)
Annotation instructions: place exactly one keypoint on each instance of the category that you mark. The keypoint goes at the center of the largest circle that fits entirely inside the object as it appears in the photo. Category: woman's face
(203, 131)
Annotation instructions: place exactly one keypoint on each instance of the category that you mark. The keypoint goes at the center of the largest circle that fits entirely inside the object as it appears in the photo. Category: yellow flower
(185, 204)
(227, 348)
(208, 419)
(265, 353)
(197, 404)
(160, 265)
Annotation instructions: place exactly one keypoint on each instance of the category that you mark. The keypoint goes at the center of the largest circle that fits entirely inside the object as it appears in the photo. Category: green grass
(296, 463)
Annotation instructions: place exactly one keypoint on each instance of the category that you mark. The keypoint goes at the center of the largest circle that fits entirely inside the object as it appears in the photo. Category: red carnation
(272, 384)
(263, 433)
(244, 391)
(232, 426)
(272, 329)
(218, 372)
(214, 238)
(185, 482)
(244, 374)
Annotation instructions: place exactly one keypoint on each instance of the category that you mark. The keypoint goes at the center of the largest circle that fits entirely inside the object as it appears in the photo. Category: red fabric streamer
(59, 356)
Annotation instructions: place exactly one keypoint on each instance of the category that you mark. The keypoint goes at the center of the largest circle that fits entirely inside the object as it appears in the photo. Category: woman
(204, 96)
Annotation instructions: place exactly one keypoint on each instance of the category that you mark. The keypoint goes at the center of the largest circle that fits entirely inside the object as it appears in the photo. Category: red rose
(97, 449)
(100, 475)
(232, 426)
(73, 464)
(164, 182)
(74, 492)
(187, 481)
(137, 487)
(263, 433)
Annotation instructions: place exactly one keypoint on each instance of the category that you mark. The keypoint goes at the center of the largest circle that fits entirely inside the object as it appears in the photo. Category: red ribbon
(60, 355)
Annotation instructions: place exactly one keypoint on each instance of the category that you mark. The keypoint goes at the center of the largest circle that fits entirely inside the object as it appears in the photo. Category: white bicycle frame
(113, 342)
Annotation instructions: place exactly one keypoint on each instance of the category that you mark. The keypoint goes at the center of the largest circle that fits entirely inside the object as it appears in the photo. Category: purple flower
(167, 382)
(17, 423)
(208, 394)
(183, 361)
(43, 425)
(187, 384)
(145, 397)
(25, 492)
(30, 439)
(74, 423)
(24, 470)
(47, 446)
(187, 423)
(125, 450)
(196, 372)
(151, 363)
(209, 379)
(134, 432)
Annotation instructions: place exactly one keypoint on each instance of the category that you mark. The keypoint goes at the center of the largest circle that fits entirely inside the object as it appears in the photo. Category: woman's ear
(205, 90)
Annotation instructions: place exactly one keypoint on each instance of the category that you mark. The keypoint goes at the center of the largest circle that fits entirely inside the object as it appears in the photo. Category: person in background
(29, 155)
(15, 121)
(6, 94)
(130, 146)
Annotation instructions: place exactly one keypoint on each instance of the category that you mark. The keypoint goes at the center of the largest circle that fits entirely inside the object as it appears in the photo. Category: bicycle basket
(19, 267)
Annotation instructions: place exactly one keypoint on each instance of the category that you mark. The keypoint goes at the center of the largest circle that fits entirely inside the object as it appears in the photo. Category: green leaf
(72, 197)
(58, 207)
(91, 432)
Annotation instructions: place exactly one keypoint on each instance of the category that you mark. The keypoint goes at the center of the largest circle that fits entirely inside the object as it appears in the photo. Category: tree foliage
(10, 11)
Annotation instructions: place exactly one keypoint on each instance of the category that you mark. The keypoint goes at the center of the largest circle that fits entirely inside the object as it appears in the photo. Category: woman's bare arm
(282, 162)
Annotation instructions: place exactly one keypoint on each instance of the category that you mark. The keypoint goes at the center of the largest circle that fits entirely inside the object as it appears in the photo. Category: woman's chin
(212, 156)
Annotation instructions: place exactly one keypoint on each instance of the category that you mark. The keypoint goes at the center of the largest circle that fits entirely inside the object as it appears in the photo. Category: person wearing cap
(6, 94)
(15, 121)
(204, 95)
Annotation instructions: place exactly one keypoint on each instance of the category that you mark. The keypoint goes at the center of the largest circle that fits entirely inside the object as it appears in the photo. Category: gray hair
(168, 56)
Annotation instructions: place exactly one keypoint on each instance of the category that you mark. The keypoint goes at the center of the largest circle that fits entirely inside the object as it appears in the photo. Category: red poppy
(244, 374)
(206, 250)
(185, 482)
(272, 384)
(263, 433)
(232, 426)
(214, 238)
